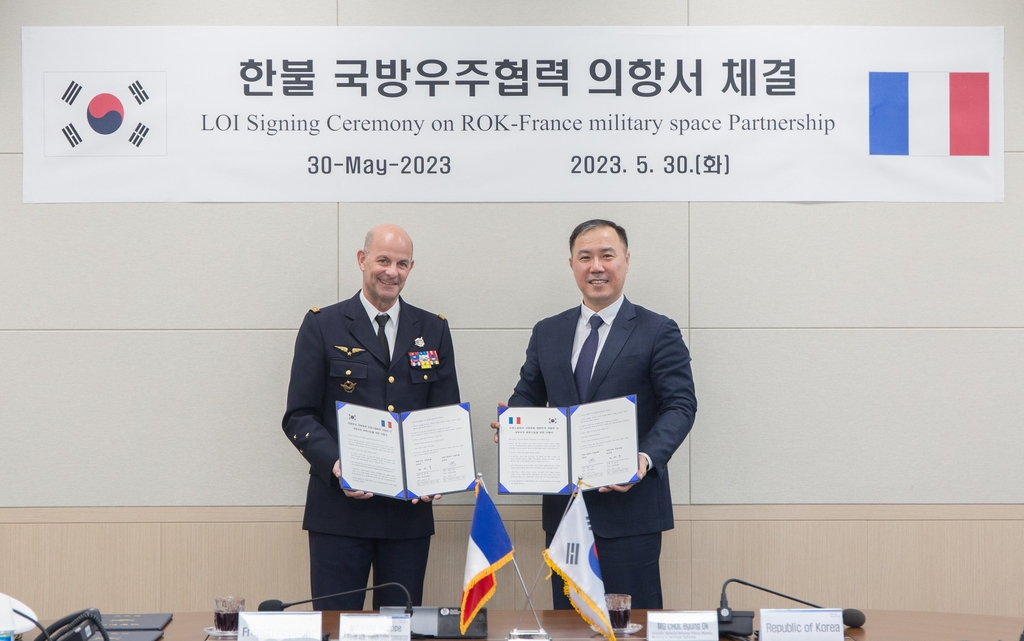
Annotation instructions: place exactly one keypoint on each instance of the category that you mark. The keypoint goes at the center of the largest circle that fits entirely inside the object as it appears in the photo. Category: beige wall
(860, 359)
(944, 558)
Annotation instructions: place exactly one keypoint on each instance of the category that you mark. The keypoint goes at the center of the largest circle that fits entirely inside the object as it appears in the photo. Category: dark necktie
(585, 362)
(382, 338)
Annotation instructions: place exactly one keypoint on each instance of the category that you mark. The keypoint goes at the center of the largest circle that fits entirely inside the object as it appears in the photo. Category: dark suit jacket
(644, 354)
(323, 373)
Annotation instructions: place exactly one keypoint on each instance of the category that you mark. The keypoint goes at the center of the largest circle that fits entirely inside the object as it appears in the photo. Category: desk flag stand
(539, 634)
(515, 634)
(489, 549)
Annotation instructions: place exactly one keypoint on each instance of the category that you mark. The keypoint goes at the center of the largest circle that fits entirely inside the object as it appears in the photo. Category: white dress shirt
(391, 328)
(583, 330)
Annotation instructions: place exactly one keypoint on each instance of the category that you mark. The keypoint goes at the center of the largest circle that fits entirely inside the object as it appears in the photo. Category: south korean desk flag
(573, 555)
(489, 549)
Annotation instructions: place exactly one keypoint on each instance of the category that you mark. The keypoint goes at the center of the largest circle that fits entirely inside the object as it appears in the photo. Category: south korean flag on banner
(105, 114)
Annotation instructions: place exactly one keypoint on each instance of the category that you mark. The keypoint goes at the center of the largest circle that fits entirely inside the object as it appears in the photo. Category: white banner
(505, 114)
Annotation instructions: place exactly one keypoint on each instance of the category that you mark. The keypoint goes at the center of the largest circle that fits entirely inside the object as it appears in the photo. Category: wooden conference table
(881, 625)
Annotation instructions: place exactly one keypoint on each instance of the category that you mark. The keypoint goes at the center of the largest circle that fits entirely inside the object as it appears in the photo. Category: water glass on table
(225, 613)
(619, 606)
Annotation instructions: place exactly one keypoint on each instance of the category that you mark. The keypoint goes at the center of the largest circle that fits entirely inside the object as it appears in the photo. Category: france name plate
(270, 626)
(374, 627)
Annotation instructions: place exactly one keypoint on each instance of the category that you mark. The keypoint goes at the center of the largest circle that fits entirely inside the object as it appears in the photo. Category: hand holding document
(543, 449)
(422, 453)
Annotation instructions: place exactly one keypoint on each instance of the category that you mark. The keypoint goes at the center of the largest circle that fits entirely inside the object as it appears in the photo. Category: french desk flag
(929, 114)
(489, 549)
(573, 555)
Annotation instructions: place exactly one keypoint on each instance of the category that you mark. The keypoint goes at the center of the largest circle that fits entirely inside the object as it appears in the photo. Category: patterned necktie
(382, 338)
(585, 362)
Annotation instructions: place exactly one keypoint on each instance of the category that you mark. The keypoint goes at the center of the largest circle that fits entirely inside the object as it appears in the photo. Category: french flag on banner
(929, 113)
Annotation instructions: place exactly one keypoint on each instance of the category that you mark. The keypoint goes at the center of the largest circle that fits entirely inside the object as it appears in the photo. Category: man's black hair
(597, 223)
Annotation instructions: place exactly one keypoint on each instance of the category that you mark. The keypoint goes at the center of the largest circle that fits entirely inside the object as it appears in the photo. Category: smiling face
(600, 262)
(385, 262)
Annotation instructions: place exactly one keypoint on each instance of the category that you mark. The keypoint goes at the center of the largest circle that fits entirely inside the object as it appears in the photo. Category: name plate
(276, 626)
(682, 626)
(801, 625)
(374, 627)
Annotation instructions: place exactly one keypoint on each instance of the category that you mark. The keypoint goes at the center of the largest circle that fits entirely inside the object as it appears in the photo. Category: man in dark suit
(607, 348)
(356, 351)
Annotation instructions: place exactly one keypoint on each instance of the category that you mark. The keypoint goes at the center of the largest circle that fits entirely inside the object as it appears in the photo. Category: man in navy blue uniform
(357, 351)
(606, 348)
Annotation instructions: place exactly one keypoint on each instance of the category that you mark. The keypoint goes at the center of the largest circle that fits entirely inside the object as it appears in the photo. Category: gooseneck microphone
(851, 617)
(274, 605)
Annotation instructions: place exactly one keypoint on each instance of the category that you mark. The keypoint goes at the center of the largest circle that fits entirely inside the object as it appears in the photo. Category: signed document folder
(544, 450)
(408, 455)
(136, 621)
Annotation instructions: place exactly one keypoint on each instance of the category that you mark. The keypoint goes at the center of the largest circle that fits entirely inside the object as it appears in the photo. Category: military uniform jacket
(338, 358)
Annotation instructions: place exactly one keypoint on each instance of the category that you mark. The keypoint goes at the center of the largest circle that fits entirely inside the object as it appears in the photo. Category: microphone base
(740, 623)
(527, 635)
(441, 623)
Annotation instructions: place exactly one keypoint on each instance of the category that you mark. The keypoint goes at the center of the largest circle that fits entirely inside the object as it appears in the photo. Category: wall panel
(822, 562)
(159, 266)
(201, 561)
(501, 266)
(147, 418)
(858, 416)
(56, 568)
(860, 264)
(524, 13)
(951, 566)
(941, 558)
(677, 567)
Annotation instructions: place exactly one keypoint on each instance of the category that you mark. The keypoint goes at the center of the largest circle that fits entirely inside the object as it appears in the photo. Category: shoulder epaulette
(441, 316)
(315, 310)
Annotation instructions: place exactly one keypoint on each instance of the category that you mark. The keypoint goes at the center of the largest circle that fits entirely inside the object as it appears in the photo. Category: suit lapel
(566, 336)
(618, 334)
(361, 329)
(408, 330)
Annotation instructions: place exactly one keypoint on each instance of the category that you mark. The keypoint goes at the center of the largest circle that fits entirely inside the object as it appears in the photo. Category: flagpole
(529, 599)
(482, 567)
(572, 497)
(572, 555)
(539, 634)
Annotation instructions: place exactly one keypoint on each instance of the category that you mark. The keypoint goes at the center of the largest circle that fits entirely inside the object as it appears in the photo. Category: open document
(405, 456)
(543, 450)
